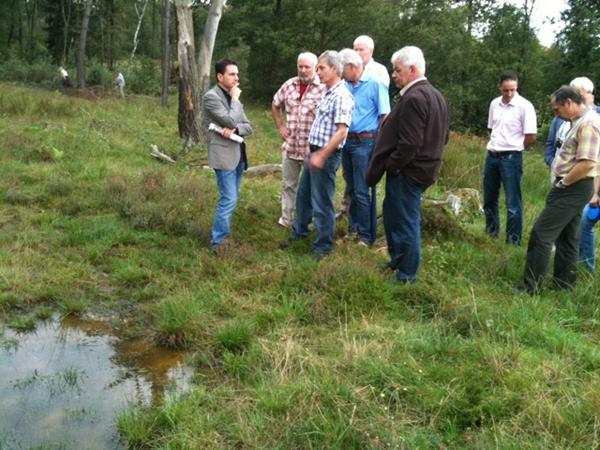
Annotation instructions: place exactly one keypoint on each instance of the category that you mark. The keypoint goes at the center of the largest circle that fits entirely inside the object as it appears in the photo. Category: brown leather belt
(364, 135)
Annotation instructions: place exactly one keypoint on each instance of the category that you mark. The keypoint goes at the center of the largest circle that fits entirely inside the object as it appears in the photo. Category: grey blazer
(223, 154)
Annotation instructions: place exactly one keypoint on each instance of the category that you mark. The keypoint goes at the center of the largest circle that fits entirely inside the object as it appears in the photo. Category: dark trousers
(402, 224)
(557, 224)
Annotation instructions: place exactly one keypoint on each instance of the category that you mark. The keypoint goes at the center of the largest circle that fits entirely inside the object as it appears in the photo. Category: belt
(362, 135)
(499, 154)
(314, 148)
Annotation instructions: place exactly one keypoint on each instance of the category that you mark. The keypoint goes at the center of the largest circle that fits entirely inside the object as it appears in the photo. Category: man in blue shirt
(371, 106)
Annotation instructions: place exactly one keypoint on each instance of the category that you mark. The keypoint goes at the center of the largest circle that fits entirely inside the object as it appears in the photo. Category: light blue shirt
(371, 101)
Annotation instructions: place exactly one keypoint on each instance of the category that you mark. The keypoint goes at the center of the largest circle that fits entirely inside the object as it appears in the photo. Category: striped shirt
(582, 142)
(335, 108)
(300, 114)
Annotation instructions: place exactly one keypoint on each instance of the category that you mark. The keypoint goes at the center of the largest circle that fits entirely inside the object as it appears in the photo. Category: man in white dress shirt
(364, 46)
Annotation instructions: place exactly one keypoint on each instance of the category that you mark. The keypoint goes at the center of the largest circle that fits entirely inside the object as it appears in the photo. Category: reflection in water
(62, 385)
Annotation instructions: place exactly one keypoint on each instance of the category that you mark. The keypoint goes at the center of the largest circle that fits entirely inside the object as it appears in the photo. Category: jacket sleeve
(226, 117)
(244, 127)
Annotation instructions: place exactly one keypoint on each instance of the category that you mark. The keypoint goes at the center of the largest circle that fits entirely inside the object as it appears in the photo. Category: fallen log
(156, 153)
(263, 170)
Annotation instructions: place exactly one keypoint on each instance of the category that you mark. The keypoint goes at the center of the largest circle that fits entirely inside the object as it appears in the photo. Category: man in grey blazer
(222, 107)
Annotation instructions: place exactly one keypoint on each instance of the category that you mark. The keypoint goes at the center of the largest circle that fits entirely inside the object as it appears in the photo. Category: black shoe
(385, 266)
(284, 245)
(319, 256)
(521, 289)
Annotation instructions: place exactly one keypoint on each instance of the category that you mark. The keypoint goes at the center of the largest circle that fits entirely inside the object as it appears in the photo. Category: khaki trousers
(291, 169)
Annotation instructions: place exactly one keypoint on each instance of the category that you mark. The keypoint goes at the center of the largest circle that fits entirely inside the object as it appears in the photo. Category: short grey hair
(366, 40)
(332, 58)
(349, 56)
(310, 57)
(583, 84)
(410, 56)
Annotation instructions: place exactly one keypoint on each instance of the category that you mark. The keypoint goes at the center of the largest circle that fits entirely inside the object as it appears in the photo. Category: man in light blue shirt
(371, 106)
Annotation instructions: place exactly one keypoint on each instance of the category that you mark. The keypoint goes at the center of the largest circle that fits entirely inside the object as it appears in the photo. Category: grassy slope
(314, 355)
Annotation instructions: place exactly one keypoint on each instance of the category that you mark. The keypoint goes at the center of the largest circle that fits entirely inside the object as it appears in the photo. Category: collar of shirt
(585, 112)
(408, 86)
(363, 79)
(513, 101)
(227, 96)
(365, 76)
(334, 87)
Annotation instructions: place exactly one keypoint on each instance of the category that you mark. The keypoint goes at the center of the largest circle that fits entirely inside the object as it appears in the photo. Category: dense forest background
(467, 43)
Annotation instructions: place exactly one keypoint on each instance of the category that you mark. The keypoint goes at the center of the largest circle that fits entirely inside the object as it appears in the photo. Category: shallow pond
(63, 384)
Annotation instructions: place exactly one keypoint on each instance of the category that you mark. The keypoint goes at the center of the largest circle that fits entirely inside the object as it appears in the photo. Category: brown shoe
(221, 248)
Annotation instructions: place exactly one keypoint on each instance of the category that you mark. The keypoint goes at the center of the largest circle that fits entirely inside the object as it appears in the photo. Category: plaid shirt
(582, 142)
(336, 107)
(300, 113)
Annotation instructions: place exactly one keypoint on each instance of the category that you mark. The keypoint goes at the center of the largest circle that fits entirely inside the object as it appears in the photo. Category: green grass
(291, 353)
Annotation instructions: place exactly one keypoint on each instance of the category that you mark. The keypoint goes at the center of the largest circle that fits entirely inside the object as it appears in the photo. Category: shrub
(235, 336)
(174, 319)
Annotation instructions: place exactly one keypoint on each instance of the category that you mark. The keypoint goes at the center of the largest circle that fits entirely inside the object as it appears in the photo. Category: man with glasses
(574, 168)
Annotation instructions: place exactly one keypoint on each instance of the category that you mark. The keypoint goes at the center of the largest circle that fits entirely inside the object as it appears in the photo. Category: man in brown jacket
(409, 150)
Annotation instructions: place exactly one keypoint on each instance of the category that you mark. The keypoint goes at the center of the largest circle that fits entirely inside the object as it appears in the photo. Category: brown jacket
(412, 137)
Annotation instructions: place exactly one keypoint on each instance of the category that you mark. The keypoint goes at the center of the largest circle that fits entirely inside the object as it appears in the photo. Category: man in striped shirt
(574, 168)
(314, 201)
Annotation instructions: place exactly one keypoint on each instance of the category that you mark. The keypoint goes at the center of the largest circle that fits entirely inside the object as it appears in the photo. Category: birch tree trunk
(140, 16)
(66, 16)
(207, 44)
(189, 117)
(82, 40)
(166, 53)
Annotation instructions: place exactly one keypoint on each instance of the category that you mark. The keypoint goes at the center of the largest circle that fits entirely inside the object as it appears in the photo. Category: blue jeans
(587, 242)
(228, 182)
(402, 223)
(507, 170)
(362, 215)
(314, 201)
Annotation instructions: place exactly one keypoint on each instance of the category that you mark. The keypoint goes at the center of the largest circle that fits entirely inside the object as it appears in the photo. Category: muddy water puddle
(63, 384)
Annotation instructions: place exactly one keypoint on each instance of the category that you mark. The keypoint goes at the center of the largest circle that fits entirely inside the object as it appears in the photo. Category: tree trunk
(82, 40)
(11, 30)
(66, 16)
(207, 44)
(110, 34)
(190, 107)
(166, 54)
(139, 25)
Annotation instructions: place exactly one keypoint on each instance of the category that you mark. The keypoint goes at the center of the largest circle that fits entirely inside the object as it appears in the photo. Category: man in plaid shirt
(574, 168)
(298, 98)
(326, 139)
